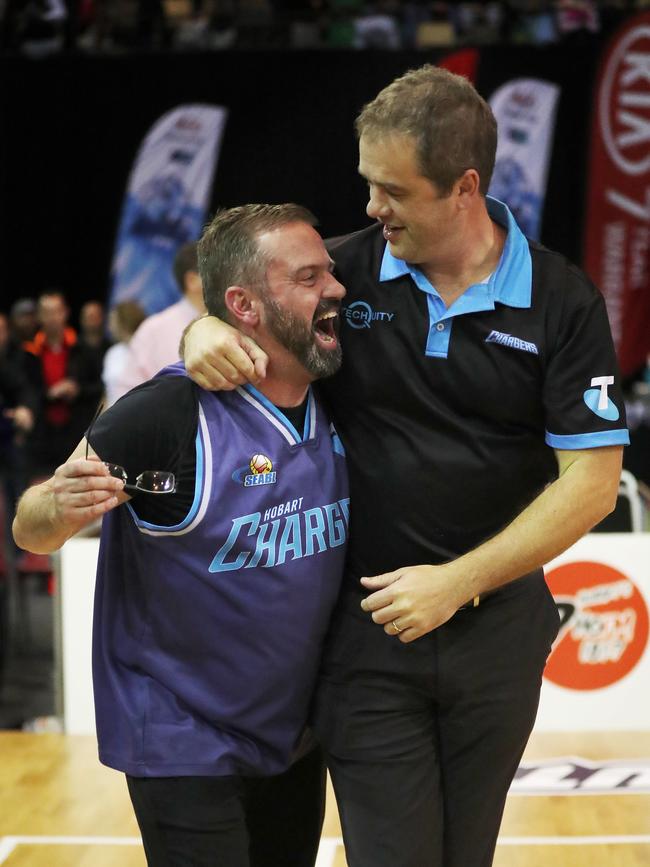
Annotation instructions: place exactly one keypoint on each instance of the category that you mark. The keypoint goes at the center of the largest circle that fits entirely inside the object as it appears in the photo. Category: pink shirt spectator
(155, 344)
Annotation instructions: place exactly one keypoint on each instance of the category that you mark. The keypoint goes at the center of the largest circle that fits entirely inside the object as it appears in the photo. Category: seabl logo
(258, 472)
(599, 401)
(360, 314)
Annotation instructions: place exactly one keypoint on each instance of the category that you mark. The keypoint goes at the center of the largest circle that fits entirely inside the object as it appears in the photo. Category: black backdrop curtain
(70, 128)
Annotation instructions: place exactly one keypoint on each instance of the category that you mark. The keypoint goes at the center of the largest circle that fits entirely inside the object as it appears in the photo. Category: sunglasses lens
(156, 482)
(117, 471)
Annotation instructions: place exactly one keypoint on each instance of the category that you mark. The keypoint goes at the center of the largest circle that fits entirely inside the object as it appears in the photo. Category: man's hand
(64, 389)
(83, 490)
(22, 417)
(79, 492)
(219, 357)
(416, 598)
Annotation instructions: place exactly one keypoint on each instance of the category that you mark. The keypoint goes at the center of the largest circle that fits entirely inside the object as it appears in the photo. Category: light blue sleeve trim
(194, 508)
(594, 440)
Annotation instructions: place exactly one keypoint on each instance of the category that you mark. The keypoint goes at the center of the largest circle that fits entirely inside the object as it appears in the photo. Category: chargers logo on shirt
(281, 534)
(258, 472)
(513, 342)
(599, 401)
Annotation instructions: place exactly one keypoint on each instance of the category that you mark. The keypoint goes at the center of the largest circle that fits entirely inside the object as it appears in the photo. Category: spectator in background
(23, 319)
(577, 20)
(540, 23)
(40, 27)
(155, 343)
(18, 409)
(123, 321)
(91, 349)
(54, 346)
(377, 27)
(91, 325)
(19, 380)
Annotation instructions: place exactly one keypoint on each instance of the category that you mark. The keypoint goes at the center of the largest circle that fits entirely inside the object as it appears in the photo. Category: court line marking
(7, 846)
(328, 846)
(327, 851)
(602, 840)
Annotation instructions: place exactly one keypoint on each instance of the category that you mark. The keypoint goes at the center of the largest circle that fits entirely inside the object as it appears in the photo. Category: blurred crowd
(38, 28)
(55, 377)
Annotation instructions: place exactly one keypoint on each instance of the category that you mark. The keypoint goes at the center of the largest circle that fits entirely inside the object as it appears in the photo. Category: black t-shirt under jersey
(153, 427)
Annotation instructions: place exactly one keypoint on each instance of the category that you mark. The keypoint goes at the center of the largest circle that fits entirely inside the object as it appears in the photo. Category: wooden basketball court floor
(60, 808)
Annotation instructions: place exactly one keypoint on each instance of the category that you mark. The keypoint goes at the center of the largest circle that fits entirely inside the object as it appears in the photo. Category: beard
(298, 337)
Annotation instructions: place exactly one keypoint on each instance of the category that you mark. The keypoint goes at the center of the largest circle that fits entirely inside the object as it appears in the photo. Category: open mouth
(391, 232)
(326, 328)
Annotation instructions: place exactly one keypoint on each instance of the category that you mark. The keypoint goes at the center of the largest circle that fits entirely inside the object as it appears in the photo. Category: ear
(242, 305)
(468, 187)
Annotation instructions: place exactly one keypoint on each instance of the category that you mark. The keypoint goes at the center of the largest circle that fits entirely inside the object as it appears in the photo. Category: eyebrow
(386, 185)
(316, 267)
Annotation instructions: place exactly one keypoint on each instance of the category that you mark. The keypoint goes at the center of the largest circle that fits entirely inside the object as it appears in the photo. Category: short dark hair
(129, 315)
(184, 261)
(453, 127)
(229, 253)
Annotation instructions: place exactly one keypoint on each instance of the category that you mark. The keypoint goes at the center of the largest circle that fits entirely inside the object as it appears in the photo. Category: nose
(334, 290)
(377, 207)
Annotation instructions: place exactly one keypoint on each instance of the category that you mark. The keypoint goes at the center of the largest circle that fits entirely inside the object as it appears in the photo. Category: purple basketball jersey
(208, 634)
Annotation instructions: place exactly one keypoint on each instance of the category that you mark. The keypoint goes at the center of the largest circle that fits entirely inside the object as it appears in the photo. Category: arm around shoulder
(218, 357)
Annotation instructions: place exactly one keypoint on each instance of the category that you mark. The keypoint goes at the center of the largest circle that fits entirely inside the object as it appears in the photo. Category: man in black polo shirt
(479, 403)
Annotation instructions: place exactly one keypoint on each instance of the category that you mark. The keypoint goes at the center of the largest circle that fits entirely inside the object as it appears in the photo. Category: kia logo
(625, 103)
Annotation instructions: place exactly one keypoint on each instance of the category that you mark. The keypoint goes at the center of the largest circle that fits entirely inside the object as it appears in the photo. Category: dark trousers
(232, 821)
(423, 739)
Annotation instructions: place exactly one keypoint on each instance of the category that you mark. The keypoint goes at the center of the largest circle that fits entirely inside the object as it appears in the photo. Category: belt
(478, 600)
(536, 575)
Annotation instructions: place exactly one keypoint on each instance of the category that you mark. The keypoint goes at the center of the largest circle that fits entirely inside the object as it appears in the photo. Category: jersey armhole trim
(202, 489)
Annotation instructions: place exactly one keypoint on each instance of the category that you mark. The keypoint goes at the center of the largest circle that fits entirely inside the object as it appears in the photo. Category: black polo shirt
(450, 416)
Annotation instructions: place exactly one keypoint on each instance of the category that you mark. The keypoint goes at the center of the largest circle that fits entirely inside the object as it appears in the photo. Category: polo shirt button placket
(440, 326)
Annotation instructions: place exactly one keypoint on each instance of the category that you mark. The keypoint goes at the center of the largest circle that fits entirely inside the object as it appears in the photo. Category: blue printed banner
(525, 112)
(165, 204)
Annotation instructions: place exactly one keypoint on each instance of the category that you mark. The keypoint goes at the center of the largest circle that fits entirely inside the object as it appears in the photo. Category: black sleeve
(153, 427)
(582, 392)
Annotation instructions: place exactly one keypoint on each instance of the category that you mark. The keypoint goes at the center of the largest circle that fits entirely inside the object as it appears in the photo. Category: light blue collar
(511, 281)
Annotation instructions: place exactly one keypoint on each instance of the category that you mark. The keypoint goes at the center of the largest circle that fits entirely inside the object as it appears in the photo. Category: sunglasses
(148, 482)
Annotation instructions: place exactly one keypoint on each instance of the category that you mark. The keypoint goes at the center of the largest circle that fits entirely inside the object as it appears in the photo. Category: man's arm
(218, 357)
(424, 597)
(79, 492)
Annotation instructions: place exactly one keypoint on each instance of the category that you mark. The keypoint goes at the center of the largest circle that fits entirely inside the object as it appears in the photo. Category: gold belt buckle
(476, 601)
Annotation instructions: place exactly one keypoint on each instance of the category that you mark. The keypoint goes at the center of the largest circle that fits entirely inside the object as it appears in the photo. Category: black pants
(232, 821)
(423, 739)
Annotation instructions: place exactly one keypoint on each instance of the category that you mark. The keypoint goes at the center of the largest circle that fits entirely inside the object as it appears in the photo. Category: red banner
(617, 240)
(463, 62)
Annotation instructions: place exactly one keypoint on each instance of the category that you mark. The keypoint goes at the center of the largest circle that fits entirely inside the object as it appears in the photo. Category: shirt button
(440, 326)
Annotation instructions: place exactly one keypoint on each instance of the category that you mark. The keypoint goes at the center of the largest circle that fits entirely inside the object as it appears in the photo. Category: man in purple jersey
(218, 568)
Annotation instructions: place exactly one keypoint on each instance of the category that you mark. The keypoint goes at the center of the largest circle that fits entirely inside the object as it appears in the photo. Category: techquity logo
(360, 314)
